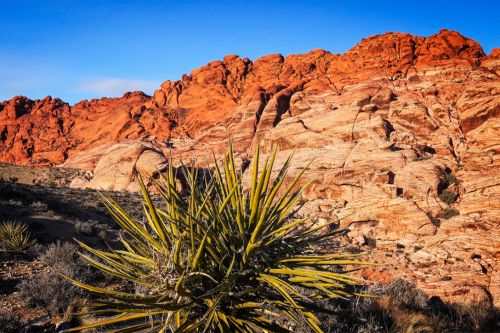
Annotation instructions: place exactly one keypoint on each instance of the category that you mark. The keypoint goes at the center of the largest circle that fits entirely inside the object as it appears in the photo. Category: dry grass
(401, 307)
(51, 290)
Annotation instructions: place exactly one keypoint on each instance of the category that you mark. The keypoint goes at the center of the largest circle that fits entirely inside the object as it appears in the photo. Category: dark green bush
(451, 179)
(448, 213)
(448, 197)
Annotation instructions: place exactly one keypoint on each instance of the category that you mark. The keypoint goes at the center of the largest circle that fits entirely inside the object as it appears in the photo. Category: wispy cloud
(38, 77)
(117, 86)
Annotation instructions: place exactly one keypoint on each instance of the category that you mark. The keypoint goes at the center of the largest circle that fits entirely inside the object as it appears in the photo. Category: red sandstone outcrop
(403, 132)
(48, 131)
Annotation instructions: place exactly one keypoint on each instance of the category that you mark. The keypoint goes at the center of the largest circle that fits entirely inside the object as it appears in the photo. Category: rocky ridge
(403, 132)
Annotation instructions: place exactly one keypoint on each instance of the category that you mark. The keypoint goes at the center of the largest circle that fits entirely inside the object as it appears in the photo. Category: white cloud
(117, 86)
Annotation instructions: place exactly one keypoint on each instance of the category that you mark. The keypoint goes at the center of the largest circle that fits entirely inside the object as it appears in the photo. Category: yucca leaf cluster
(218, 257)
(14, 236)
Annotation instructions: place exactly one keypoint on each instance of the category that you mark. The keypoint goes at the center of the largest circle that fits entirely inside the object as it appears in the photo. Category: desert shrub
(222, 258)
(39, 206)
(60, 255)
(15, 202)
(449, 213)
(14, 236)
(478, 317)
(391, 311)
(401, 307)
(85, 228)
(434, 219)
(448, 197)
(9, 323)
(52, 290)
(102, 234)
(451, 179)
(457, 317)
(405, 293)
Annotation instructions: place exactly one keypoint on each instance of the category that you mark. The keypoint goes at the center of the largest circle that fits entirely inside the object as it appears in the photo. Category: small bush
(448, 197)
(448, 213)
(60, 255)
(51, 290)
(14, 236)
(39, 206)
(15, 202)
(456, 317)
(477, 317)
(9, 323)
(451, 179)
(401, 307)
(404, 292)
(85, 228)
(435, 220)
(102, 234)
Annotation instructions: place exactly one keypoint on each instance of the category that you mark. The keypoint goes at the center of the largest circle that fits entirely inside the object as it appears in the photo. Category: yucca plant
(14, 236)
(220, 258)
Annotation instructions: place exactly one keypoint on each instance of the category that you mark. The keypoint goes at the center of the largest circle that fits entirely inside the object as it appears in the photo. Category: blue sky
(85, 49)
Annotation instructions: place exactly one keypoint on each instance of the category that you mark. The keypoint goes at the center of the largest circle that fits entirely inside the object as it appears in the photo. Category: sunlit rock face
(402, 131)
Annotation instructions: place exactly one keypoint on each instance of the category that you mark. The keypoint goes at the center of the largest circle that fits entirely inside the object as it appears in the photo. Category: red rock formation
(247, 96)
(404, 132)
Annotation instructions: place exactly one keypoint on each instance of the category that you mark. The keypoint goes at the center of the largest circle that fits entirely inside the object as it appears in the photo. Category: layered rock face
(403, 132)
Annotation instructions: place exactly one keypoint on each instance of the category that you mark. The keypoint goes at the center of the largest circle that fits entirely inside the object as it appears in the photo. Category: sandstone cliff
(403, 132)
